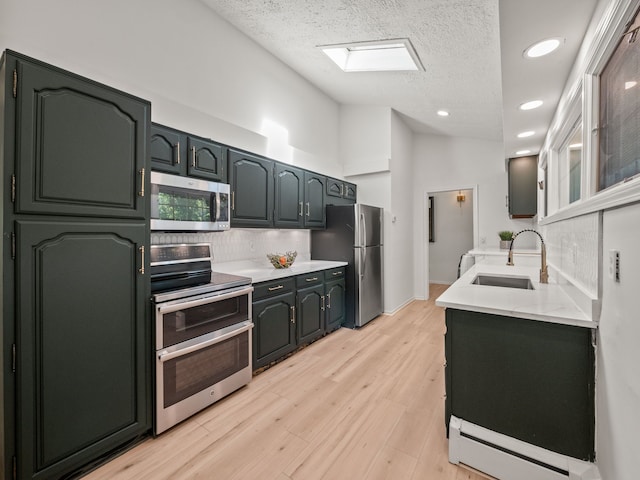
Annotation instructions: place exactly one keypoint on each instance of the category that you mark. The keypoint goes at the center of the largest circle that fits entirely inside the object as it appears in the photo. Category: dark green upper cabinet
(340, 192)
(81, 146)
(289, 196)
(166, 155)
(206, 159)
(180, 153)
(252, 187)
(523, 186)
(83, 343)
(314, 212)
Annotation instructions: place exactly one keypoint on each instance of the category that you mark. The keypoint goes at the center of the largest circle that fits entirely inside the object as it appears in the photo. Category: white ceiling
(471, 50)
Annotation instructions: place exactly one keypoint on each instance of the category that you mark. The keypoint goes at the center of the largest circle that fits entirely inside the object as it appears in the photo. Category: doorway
(451, 231)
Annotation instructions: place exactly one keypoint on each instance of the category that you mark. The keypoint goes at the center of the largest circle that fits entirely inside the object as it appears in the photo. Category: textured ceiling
(471, 50)
(456, 40)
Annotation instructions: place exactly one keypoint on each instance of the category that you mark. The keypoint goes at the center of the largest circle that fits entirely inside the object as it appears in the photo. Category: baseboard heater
(506, 458)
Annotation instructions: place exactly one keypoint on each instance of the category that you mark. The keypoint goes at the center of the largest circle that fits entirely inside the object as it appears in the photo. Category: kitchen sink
(503, 281)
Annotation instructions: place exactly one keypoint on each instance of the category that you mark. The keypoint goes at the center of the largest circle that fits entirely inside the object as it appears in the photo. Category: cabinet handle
(301, 209)
(141, 269)
(308, 209)
(293, 314)
(141, 192)
(336, 274)
(322, 307)
(177, 148)
(328, 300)
(193, 157)
(272, 289)
(311, 279)
(342, 190)
(233, 201)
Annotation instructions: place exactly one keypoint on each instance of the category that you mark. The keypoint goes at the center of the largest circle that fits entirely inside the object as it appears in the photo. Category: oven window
(193, 322)
(189, 374)
(181, 204)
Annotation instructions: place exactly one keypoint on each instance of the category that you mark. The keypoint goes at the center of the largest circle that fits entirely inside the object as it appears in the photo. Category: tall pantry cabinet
(75, 360)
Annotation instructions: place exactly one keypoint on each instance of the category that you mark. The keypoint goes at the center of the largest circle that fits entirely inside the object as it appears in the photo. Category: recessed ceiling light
(531, 105)
(523, 152)
(628, 85)
(543, 47)
(443, 113)
(526, 134)
(575, 145)
(375, 56)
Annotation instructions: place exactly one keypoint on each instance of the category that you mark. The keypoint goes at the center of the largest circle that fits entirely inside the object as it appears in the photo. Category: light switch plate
(614, 265)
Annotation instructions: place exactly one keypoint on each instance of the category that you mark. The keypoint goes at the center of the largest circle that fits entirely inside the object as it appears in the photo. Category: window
(571, 166)
(619, 111)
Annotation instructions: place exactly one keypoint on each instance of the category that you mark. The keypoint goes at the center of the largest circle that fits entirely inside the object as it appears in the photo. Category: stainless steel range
(202, 332)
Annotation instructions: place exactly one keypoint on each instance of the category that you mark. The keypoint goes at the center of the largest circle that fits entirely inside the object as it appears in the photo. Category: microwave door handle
(218, 203)
(213, 207)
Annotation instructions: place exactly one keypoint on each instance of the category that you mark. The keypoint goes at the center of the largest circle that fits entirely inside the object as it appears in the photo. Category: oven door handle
(164, 357)
(180, 305)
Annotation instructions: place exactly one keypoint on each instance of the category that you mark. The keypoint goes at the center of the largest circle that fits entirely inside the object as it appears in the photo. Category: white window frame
(606, 38)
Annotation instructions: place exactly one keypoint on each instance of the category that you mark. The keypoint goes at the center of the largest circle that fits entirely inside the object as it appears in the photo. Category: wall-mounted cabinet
(340, 192)
(180, 153)
(252, 190)
(523, 182)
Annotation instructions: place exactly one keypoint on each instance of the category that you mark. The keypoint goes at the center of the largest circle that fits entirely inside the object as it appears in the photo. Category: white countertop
(546, 302)
(262, 271)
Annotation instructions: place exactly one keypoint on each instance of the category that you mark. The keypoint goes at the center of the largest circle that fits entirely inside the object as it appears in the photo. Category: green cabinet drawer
(273, 287)
(309, 279)
(334, 274)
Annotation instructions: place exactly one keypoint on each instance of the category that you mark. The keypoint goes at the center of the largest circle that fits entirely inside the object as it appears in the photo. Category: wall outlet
(614, 265)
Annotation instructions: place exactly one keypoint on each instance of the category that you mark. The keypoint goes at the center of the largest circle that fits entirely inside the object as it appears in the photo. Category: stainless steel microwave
(185, 204)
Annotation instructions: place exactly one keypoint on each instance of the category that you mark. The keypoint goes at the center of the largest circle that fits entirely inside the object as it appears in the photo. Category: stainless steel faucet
(544, 274)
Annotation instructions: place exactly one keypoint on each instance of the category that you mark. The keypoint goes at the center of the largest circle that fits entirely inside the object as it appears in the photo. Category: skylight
(376, 56)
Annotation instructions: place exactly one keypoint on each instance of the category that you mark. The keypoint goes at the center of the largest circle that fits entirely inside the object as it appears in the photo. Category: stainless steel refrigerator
(354, 235)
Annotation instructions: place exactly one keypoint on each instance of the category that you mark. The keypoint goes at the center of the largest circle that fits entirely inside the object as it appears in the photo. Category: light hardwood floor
(357, 404)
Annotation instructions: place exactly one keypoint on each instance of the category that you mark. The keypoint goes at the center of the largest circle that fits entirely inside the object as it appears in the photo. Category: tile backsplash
(244, 243)
(573, 247)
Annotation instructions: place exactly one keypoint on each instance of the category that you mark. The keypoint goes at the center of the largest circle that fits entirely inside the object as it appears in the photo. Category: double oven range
(202, 332)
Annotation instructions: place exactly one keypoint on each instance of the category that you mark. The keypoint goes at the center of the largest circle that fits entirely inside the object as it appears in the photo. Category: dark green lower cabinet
(82, 366)
(310, 308)
(335, 299)
(274, 328)
(527, 379)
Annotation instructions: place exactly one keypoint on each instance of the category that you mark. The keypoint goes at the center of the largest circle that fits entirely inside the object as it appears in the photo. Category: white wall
(449, 163)
(453, 235)
(399, 221)
(200, 73)
(618, 355)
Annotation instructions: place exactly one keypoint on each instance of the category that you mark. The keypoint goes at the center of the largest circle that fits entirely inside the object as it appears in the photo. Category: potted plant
(505, 238)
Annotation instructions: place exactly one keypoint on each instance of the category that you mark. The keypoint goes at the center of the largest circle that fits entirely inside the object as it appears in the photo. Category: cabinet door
(206, 160)
(335, 304)
(289, 196)
(334, 188)
(310, 313)
(83, 374)
(350, 192)
(273, 328)
(314, 200)
(81, 147)
(251, 180)
(523, 182)
(166, 154)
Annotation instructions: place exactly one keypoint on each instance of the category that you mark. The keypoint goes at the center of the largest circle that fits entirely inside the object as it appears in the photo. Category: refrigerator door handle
(363, 261)
(363, 230)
